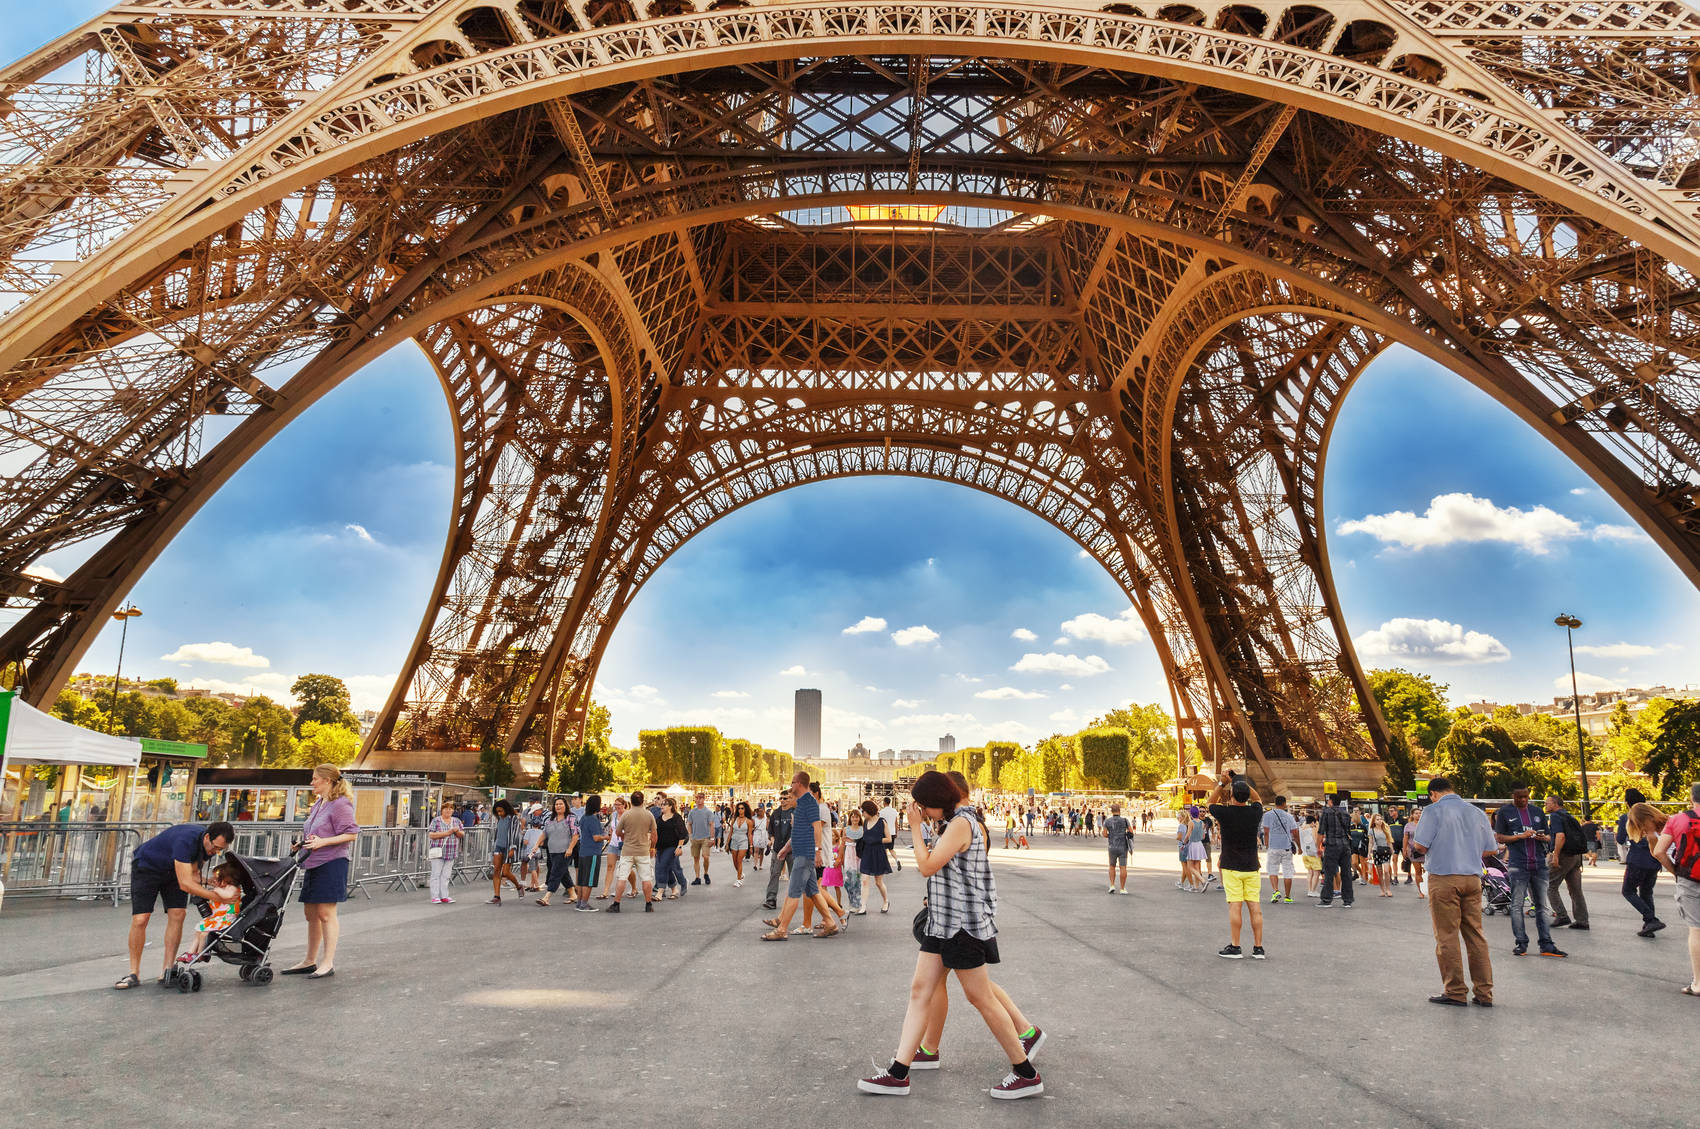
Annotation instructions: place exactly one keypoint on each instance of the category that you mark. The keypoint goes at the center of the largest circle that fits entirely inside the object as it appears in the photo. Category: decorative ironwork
(1117, 264)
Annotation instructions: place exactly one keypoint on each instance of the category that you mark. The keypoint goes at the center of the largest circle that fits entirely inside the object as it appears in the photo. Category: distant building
(947, 744)
(859, 752)
(1597, 708)
(805, 742)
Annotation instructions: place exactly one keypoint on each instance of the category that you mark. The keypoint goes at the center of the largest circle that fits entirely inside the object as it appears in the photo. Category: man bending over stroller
(167, 868)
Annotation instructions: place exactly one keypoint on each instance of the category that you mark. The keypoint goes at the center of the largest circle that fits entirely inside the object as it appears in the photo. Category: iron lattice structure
(1116, 264)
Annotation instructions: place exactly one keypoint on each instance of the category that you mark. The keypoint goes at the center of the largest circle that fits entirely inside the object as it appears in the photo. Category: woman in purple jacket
(330, 828)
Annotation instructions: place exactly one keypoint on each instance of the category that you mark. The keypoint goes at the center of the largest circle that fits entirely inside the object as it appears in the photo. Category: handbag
(919, 928)
(434, 852)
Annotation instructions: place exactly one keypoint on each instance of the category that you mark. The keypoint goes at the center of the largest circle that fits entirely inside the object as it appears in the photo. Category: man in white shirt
(889, 814)
(1279, 833)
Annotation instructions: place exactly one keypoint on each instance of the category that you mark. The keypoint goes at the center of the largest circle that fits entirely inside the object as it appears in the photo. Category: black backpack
(1575, 840)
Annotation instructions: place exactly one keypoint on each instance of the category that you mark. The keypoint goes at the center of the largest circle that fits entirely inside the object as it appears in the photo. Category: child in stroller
(1496, 888)
(263, 887)
(228, 886)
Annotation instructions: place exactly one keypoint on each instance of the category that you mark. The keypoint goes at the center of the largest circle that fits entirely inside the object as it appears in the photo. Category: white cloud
(872, 689)
(797, 671)
(969, 678)
(1061, 641)
(1009, 693)
(1023, 634)
(1053, 663)
(1618, 533)
(933, 720)
(730, 694)
(217, 654)
(369, 691)
(1430, 640)
(1119, 632)
(270, 683)
(864, 625)
(1587, 683)
(44, 572)
(1067, 717)
(908, 703)
(1617, 650)
(835, 718)
(643, 693)
(1453, 518)
(1083, 555)
(1578, 491)
(1065, 686)
(909, 636)
(360, 533)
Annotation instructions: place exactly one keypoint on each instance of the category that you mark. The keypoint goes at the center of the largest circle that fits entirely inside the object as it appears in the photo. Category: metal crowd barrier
(70, 860)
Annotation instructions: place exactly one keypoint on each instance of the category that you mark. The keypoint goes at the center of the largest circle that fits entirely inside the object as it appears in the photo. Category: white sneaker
(1313, 893)
(1111, 890)
(738, 882)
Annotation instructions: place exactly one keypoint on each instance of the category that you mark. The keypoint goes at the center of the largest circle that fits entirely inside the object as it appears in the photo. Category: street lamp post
(1570, 623)
(123, 615)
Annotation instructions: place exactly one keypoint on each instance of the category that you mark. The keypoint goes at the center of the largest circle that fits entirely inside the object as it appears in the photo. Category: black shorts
(962, 951)
(589, 870)
(147, 885)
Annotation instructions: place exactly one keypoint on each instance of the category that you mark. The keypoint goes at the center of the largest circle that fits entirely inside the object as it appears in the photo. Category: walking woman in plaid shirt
(958, 933)
(445, 835)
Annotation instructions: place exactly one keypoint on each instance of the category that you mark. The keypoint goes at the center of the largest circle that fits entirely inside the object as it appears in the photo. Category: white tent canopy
(28, 736)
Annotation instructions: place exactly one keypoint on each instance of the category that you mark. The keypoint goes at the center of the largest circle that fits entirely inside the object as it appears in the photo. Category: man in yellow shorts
(1238, 821)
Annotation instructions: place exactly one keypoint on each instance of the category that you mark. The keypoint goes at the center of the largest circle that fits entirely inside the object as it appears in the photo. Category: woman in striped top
(959, 935)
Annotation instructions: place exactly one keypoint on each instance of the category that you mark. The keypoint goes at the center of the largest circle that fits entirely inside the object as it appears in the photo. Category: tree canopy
(1415, 703)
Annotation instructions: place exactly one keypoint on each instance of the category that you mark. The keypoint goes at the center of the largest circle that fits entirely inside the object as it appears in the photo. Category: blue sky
(1456, 533)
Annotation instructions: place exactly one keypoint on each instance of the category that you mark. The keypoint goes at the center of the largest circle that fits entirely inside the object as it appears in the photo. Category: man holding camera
(1523, 832)
(1238, 821)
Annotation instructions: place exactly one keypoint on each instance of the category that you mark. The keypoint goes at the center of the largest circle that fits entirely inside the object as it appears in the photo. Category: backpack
(1686, 846)
(1575, 839)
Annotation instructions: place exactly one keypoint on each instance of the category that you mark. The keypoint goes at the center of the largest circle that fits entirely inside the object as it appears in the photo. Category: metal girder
(1126, 267)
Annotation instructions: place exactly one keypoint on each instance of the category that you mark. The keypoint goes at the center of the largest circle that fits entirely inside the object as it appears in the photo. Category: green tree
(1479, 756)
(656, 751)
(1415, 703)
(1060, 758)
(324, 699)
(73, 707)
(324, 744)
(1152, 733)
(695, 749)
(1106, 758)
(1674, 758)
(999, 754)
(494, 769)
(168, 685)
(1401, 763)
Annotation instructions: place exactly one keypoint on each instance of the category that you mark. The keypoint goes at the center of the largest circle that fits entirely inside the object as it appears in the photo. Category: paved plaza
(474, 1015)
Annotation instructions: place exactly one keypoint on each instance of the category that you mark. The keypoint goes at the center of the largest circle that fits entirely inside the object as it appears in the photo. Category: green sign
(173, 748)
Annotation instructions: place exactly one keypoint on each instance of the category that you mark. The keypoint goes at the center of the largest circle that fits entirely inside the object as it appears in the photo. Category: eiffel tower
(1118, 264)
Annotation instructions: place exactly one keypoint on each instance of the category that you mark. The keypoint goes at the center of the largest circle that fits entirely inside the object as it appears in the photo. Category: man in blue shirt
(1454, 838)
(702, 840)
(1522, 830)
(167, 869)
(806, 853)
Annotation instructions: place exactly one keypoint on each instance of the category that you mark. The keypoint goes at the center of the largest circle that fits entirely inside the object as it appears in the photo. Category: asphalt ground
(473, 1015)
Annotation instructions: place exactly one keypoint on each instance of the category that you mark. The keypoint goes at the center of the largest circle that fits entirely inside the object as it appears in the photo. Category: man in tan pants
(1453, 837)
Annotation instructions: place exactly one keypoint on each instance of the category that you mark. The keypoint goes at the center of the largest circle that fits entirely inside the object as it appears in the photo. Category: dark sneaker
(1015, 1086)
(696, 882)
(1345, 905)
(884, 1083)
(1231, 952)
(925, 1060)
(1561, 923)
(1448, 1001)
(1479, 1002)
(649, 907)
(707, 881)
(1583, 925)
(615, 908)
(1520, 951)
(1032, 1043)
(1553, 951)
(1653, 927)
(1257, 953)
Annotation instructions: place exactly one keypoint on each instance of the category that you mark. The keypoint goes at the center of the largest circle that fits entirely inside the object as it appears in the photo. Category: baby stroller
(1496, 889)
(246, 941)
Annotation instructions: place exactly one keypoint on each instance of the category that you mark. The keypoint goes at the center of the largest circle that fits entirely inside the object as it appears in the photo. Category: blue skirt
(327, 883)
